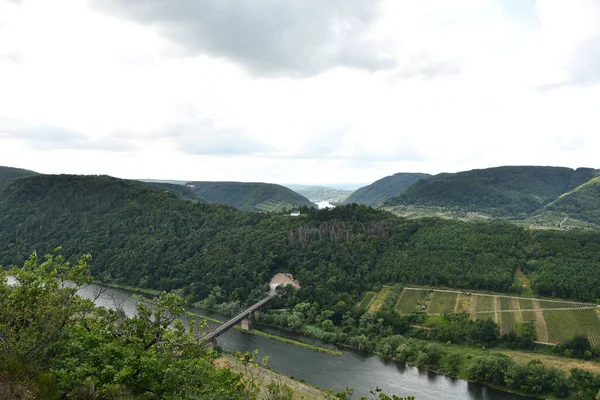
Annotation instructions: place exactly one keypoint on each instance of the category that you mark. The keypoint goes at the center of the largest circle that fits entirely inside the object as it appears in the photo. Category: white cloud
(462, 92)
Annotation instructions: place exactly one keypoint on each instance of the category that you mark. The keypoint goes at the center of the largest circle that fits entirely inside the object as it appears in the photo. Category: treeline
(150, 238)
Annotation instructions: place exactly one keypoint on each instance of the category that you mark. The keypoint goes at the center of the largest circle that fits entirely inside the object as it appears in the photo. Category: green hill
(250, 196)
(379, 191)
(581, 203)
(8, 174)
(502, 191)
(151, 238)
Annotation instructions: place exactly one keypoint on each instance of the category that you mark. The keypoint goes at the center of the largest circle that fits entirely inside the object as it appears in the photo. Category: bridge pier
(246, 324)
(256, 314)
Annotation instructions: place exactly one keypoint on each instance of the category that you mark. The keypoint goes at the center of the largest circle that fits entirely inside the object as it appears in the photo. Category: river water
(352, 369)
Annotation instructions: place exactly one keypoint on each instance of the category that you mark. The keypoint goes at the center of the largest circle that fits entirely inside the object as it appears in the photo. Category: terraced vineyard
(484, 307)
(555, 320)
(409, 301)
(443, 302)
(564, 324)
(528, 314)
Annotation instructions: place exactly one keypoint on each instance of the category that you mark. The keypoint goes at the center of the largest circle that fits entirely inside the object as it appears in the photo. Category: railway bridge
(243, 317)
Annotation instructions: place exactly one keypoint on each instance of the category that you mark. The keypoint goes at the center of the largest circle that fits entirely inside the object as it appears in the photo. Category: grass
(509, 318)
(523, 282)
(485, 306)
(265, 376)
(443, 302)
(563, 325)
(380, 299)
(527, 305)
(366, 300)
(409, 301)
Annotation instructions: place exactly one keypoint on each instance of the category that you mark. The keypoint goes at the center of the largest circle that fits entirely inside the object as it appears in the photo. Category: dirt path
(541, 330)
(473, 306)
(456, 305)
(497, 308)
(399, 299)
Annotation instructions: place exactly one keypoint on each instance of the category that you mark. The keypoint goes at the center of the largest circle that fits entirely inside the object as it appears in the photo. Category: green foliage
(566, 264)
(65, 347)
(251, 196)
(379, 191)
(500, 191)
(180, 191)
(8, 174)
(581, 203)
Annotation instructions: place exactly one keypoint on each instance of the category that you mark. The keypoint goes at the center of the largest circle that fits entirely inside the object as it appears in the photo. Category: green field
(366, 300)
(563, 325)
(443, 302)
(410, 300)
(556, 326)
(485, 306)
(527, 305)
(509, 318)
(544, 305)
(379, 299)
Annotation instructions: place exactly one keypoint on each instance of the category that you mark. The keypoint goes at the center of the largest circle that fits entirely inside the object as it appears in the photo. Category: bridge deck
(244, 314)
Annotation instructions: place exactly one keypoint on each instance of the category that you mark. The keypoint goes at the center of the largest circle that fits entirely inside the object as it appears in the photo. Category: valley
(443, 289)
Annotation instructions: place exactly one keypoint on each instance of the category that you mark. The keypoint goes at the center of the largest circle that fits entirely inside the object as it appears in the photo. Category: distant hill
(501, 191)
(321, 193)
(8, 174)
(581, 203)
(251, 196)
(179, 190)
(379, 191)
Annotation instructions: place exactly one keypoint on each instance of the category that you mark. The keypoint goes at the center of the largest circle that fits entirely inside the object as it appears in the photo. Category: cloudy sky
(297, 91)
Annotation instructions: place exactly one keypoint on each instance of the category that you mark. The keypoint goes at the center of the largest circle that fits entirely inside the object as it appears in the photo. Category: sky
(297, 91)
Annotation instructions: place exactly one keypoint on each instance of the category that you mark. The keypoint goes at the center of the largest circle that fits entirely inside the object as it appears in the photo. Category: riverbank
(263, 377)
(455, 360)
(255, 331)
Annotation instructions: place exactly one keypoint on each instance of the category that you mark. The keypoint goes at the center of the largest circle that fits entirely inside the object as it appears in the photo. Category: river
(352, 369)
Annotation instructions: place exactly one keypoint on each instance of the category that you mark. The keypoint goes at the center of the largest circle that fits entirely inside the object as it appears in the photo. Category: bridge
(244, 316)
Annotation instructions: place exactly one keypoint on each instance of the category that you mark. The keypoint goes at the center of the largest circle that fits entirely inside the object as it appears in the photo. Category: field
(443, 302)
(555, 320)
(410, 300)
(564, 324)
(379, 299)
(366, 300)
(484, 306)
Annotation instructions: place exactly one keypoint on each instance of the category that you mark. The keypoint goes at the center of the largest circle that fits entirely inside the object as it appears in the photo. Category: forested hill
(499, 191)
(180, 191)
(583, 202)
(251, 196)
(151, 238)
(379, 191)
(8, 174)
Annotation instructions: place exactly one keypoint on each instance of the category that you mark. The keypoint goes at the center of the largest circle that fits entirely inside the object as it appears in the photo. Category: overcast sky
(297, 91)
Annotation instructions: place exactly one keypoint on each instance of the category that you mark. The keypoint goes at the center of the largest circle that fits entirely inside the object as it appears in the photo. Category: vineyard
(410, 300)
(564, 324)
(556, 320)
(443, 302)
